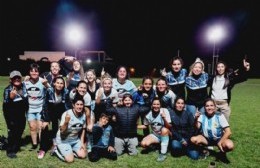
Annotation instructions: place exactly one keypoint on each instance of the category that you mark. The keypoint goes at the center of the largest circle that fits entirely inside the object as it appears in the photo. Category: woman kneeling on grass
(159, 119)
(215, 130)
(70, 136)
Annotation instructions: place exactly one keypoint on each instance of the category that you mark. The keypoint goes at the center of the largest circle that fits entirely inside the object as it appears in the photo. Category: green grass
(244, 123)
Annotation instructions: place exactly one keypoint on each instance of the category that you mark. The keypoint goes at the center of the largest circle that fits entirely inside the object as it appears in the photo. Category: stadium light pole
(215, 34)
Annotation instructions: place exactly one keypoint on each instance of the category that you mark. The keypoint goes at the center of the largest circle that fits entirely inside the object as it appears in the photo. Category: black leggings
(15, 121)
(96, 153)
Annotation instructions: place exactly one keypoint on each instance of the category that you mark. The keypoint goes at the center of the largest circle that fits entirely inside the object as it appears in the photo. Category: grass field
(244, 123)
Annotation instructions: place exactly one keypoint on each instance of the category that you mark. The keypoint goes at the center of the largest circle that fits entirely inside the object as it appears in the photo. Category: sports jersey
(212, 128)
(127, 87)
(75, 126)
(36, 93)
(157, 123)
(113, 95)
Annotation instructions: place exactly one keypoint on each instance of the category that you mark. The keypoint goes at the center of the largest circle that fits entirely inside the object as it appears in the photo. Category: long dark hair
(71, 74)
(176, 58)
(55, 79)
(127, 72)
(226, 76)
(175, 101)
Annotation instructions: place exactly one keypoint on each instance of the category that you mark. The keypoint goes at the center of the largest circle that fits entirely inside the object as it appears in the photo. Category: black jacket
(126, 120)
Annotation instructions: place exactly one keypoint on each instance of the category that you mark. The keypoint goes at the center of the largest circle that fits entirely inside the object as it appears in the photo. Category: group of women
(177, 108)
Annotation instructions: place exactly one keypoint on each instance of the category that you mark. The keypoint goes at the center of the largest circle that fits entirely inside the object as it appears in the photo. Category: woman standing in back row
(196, 86)
(176, 76)
(122, 84)
(222, 84)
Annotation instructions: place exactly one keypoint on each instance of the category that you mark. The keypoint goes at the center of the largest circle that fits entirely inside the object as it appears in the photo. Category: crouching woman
(160, 121)
(214, 128)
(70, 137)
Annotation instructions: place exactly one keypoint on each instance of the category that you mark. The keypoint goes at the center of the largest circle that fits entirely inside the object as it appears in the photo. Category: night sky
(133, 30)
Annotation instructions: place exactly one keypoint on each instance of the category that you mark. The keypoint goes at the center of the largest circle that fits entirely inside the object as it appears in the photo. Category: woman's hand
(13, 93)
(246, 65)
(163, 72)
(45, 124)
(111, 149)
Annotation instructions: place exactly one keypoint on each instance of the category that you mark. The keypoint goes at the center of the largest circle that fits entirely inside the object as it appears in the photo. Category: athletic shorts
(68, 147)
(33, 116)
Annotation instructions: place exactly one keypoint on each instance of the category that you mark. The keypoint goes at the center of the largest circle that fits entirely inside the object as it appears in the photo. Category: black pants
(15, 121)
(96, 153)
(47, 135)
(146, 131)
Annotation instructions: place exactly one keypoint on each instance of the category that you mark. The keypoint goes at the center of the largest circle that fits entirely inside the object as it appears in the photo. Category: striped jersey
(212, 128)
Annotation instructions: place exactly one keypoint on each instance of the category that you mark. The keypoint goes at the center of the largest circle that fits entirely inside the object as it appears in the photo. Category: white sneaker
(53, 150)
(210, 147)
(58, 154)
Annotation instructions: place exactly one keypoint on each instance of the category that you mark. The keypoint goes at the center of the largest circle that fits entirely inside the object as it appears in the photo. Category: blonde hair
(106, 76)
(198, 60)
(94, 73)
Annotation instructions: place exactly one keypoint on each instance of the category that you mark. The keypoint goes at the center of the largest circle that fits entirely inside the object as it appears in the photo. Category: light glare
(216, 33)
(74, 35)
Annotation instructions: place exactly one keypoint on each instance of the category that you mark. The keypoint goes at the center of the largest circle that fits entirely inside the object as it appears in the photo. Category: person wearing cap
(15, 105)
(196, 86)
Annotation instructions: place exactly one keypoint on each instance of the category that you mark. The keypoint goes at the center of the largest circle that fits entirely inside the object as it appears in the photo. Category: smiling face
(16, 81)
(210, 107)
(176, 65)
(221, 68)
(156, 105)
(90, 76)
(147, 84)
(76, 66)
(197, 68)
(55, 68)
(161, 85)
(59, 84)
(78, 106)
(34, 74)
(179, 105)
(122, 73)
(82, 89)
(107, 85)
(127, 101)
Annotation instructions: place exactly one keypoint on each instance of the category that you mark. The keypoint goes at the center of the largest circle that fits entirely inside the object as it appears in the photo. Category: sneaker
(161, 157)
(210, 148)
(75, 155)
(58, 154)
(222, 157)
(52, 151)
(11, 155)
(41, 154)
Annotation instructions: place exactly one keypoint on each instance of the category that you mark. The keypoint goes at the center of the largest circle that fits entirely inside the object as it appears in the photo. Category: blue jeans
(190, 151)
(192, 109)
